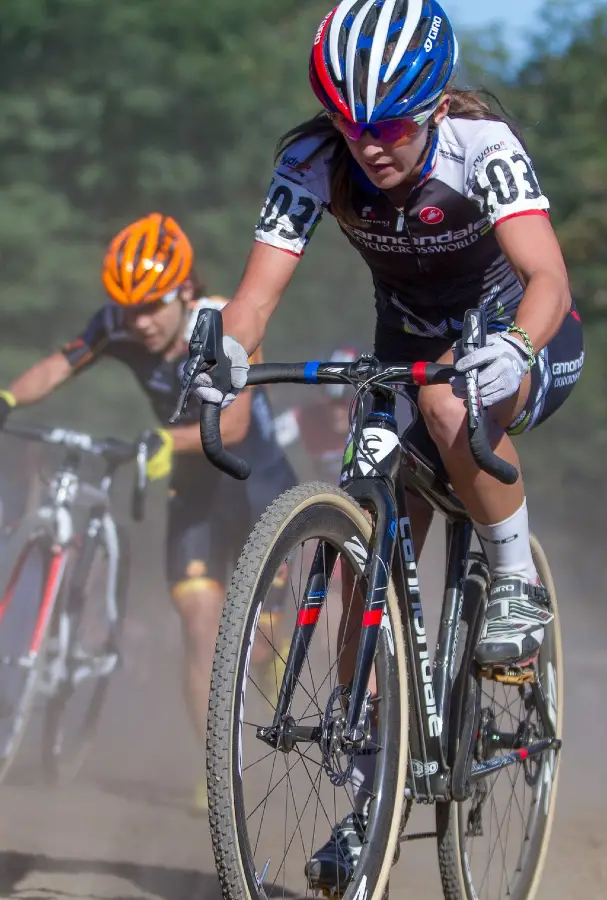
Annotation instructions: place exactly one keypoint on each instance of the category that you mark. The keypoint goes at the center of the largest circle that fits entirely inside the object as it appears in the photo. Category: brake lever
(139, 488)
(202, 352)
(474, 337)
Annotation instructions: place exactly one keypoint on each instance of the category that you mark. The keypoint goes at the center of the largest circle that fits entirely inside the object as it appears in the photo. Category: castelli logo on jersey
(432, 215)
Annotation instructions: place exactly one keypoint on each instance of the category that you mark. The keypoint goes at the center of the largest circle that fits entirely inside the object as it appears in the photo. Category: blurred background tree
(109, 110)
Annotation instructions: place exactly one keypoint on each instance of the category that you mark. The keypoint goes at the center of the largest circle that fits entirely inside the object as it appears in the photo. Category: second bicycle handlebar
(114, 451)
(206, 353)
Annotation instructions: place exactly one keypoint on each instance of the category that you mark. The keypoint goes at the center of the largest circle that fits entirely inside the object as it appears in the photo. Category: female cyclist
(441, 200)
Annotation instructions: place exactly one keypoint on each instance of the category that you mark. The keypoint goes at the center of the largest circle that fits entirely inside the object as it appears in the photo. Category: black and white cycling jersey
(438, 255)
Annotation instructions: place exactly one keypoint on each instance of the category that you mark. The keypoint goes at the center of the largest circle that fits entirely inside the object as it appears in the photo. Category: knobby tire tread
(256, 550)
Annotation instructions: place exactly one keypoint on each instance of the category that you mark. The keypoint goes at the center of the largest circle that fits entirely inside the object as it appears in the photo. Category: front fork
(374, 493)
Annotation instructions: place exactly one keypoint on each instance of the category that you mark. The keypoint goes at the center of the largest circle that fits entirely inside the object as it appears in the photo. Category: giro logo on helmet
(433, 34)
(432, 215)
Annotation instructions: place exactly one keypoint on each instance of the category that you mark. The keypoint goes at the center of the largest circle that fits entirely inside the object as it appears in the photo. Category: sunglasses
(391, 131)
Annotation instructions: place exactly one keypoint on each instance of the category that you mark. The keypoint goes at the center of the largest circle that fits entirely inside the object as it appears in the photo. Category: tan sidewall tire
(310, 495)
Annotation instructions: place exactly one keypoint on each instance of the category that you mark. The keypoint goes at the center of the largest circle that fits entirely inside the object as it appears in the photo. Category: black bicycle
(63, 581)
(359, 680)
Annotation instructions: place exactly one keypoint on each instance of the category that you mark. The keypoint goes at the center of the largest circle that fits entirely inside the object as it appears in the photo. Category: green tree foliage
(559, 97)
(111, 109)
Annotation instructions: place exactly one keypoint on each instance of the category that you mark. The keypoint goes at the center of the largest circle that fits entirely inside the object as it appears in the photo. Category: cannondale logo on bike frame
(435, 725)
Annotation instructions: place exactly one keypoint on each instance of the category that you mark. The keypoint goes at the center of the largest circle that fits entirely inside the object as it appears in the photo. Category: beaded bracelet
(528, 345)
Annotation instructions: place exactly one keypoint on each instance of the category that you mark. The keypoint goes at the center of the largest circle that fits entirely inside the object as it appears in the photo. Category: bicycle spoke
(287, 848)
(267, 795)
(278, 783)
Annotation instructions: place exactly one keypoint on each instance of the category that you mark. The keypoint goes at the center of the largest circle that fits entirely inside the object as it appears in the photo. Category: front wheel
(493, 846)
(273, 802)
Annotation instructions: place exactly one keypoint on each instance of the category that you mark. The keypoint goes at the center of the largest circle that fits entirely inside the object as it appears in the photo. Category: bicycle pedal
(511, 675)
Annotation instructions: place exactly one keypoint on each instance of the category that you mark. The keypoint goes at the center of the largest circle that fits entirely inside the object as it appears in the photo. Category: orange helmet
(146, 261)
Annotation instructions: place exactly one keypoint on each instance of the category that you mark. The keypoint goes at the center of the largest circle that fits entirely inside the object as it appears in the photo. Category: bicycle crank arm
(481, 770)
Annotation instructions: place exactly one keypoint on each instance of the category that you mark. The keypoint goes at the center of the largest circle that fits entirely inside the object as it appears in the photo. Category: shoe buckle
(510, 675)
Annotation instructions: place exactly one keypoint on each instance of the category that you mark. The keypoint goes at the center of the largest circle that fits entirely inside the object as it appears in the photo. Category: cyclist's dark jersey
(436, 257)
(160, 379)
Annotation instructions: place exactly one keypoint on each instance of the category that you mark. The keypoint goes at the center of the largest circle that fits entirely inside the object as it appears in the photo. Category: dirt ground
(126, 829)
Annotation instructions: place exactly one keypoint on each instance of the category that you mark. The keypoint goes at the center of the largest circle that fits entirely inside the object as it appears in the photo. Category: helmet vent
(419, 81)
(417, 39)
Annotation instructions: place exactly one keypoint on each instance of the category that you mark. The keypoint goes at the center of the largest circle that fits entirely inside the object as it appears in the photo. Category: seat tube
(459, 536)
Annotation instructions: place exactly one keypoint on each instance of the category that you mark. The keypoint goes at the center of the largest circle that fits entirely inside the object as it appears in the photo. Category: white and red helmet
(374, 60)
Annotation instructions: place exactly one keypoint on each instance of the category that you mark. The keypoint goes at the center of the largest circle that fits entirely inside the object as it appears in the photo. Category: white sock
(507, 545)
(363, 777)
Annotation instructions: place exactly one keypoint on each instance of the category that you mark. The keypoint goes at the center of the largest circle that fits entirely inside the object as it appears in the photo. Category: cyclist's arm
(235, 422)
(41, 379)
(501, 179)
(266, 277)
(531, 247)
(297, 198)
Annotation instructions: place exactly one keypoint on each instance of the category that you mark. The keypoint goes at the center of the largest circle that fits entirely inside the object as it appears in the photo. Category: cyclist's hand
(203, 387)
(7, 403)
(160, 453)
(502, 365)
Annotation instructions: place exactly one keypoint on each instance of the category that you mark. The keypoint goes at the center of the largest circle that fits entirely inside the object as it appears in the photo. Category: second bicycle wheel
(270, 807)
(31, 575)
(87, 628)
(493, 846)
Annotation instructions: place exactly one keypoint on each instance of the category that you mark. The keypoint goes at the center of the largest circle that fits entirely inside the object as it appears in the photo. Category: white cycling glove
(203, 383)
(502, 364)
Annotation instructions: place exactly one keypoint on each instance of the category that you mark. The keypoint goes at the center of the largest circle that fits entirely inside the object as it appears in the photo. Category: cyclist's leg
(514, 629)
(196, 564)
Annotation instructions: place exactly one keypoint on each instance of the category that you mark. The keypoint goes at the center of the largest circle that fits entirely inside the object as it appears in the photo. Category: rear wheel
(31, 575)
(493, 846)
(270, 807)
(91, 626)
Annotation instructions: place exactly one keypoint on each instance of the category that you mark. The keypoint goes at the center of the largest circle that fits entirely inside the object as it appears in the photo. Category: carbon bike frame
(439, 769)
(431, 684)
